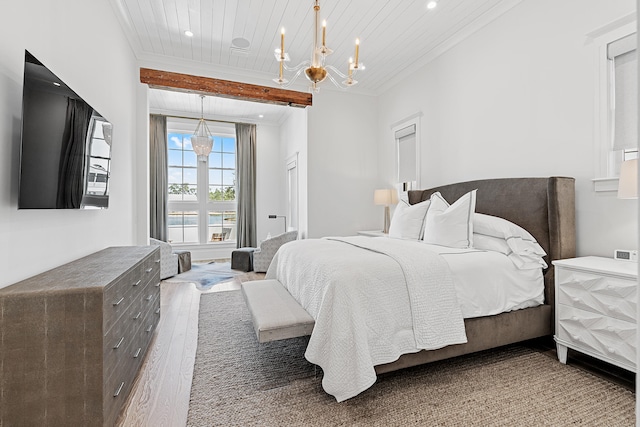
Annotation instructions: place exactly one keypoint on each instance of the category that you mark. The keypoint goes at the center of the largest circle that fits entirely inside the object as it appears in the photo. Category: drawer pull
(118, 302)
(115, 347)
(149, 270)
(150, 328)
(135, 356)
(157, 310)
(118, 390)
(137, 283)
(138, 315)
(157, 261)
(158, 285)
(149, 297)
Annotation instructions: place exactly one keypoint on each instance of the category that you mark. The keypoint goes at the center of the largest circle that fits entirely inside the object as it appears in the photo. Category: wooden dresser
(74, 338)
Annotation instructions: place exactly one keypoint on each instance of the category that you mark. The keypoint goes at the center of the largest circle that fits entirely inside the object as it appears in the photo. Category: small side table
(184, 261)
(372, 233)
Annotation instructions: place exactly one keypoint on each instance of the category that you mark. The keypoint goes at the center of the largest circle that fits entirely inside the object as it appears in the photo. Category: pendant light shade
(202, 141)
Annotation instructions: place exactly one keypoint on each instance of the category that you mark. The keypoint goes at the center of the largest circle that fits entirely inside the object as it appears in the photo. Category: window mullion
(203, 196)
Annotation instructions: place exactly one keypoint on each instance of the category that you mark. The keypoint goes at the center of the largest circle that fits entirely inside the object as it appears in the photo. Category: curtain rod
(197, 118)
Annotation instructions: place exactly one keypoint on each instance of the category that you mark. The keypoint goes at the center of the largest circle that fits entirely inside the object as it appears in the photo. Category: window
(406, 134)
(201, 195)
(617, 100)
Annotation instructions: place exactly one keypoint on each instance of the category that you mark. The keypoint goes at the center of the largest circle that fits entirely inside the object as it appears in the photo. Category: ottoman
(184, 261)
(242, 259)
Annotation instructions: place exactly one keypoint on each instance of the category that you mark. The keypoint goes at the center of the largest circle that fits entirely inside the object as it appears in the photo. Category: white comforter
(371, 306)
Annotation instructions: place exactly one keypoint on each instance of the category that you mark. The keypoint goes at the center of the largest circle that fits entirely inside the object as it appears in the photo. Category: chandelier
(202, 141)
(316, 70)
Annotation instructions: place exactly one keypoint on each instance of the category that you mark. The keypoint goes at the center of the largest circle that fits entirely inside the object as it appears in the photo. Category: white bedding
(362, 303)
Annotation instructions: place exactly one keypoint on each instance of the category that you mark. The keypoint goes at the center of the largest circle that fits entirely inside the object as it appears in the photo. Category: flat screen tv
(65, 155)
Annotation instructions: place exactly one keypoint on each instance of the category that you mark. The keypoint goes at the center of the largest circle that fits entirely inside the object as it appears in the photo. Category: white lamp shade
(385, 197)
(628, 184)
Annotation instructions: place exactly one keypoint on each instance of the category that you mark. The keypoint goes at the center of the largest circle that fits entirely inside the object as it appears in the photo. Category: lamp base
(387, 220)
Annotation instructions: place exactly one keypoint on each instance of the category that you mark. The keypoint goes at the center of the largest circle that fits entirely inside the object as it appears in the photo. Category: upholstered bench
(276, 315)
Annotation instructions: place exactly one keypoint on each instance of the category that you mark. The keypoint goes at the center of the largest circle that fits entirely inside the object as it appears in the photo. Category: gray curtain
(158, 177)
(73, 155)
(246, 184)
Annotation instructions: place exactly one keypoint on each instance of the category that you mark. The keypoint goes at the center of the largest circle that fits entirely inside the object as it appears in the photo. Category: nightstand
(372, 233)
(596, 309)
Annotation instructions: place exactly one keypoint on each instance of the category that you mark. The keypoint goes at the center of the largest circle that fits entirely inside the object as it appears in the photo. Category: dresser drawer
(610, 338)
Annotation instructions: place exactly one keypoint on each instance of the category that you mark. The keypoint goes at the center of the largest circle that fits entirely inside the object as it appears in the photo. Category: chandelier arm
(335, 70)
(336, 83)
(293, 79)
(300, 66)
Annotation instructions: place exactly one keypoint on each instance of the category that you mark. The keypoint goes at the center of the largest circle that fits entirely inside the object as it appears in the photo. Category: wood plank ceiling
(396, 36)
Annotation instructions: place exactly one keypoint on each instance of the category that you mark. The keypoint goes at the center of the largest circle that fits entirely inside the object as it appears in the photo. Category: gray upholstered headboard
(543, 206)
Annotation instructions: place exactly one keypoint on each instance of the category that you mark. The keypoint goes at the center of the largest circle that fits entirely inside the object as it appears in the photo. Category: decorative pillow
(524, 250)
(450, 225)
(408, 221)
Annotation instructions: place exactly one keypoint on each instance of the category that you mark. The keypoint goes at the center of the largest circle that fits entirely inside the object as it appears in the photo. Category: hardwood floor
(160, 396)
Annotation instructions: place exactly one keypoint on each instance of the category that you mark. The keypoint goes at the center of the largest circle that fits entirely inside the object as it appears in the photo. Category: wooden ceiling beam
(224, 88)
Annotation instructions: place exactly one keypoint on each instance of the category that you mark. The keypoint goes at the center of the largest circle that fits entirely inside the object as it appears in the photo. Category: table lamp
(385, 197)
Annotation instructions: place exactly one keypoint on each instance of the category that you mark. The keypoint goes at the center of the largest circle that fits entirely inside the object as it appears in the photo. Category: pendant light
(202, 141)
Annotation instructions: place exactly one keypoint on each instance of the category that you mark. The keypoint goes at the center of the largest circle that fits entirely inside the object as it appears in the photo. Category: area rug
(237, 382)
(205, 276)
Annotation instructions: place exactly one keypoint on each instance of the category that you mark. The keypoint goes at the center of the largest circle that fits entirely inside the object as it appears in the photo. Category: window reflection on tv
(65, 158)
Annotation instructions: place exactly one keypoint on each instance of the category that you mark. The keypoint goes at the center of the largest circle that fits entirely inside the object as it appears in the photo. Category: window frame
(607, 161)
(202, 205)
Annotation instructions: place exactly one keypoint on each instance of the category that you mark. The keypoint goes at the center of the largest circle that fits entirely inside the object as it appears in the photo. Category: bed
(381, 341)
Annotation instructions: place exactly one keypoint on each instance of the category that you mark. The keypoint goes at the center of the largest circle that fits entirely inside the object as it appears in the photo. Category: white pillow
(450, 225)
(408, 221)
(525, 252)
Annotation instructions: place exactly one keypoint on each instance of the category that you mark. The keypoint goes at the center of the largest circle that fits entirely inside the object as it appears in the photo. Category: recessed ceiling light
(188, 33)
(432, 4)
(261, 115)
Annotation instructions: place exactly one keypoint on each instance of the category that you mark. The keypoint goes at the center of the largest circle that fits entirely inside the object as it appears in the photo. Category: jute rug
(237, 382)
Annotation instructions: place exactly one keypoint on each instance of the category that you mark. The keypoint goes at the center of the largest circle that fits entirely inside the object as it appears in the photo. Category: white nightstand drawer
(594, 333)
(572, 294)
(611, 296)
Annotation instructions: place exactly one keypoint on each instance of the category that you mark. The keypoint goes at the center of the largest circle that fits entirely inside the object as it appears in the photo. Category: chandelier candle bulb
(324, 33)
(282, 45)
(350, 67)
(357, 52)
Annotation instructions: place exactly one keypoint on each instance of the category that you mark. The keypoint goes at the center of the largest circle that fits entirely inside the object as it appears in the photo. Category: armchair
(264, 254)
(168, 260)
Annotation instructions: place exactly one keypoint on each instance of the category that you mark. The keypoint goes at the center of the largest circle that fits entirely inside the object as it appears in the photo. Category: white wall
(517, 99)
(93, 57)
(269, 190)
(293, 136)
(342, 164)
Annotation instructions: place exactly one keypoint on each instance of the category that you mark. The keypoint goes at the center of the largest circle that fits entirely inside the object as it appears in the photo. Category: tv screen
(65, 156)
